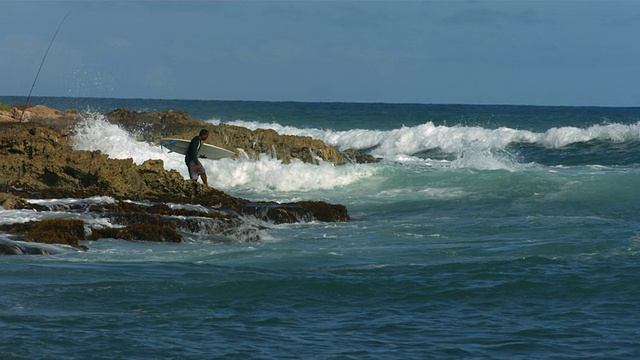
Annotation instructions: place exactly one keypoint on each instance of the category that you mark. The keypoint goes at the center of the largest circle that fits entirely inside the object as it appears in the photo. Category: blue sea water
(484, 232)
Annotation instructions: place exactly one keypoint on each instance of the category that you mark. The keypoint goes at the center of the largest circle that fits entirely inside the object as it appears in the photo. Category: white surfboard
(207, 151)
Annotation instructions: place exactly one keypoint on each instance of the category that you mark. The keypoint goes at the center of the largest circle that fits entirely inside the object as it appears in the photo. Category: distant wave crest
(454, 139)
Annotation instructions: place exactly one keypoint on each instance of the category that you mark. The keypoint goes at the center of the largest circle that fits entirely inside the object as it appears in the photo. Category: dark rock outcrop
(20, 248)
(38, 161)
(58, 231)
(302, 211)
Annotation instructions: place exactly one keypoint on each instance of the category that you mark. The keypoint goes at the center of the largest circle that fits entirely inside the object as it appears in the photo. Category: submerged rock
(303, 211)
(159, 222)
(56, 231)
(278, 213)
(20, 248)
(325, 212)
(139, 232)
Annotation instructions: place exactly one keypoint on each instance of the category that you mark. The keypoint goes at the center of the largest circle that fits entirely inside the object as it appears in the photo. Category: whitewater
(482, 232)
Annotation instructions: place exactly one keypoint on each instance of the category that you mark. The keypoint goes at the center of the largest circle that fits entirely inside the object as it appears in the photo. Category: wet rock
(277, 213)
(357, 157)
(16, 248)
(11, 202)
(153, 126)
(165, 224)
(56, 231)
(302, 211)
(38, 161)
(325, 212)
(139, 232)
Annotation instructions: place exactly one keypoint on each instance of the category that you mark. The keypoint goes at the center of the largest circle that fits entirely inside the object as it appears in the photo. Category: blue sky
(465, 52)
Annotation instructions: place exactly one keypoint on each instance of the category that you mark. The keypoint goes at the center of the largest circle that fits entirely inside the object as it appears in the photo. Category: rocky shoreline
(147, 202)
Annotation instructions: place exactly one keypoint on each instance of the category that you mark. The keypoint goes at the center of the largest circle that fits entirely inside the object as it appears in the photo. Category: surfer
(191, 158)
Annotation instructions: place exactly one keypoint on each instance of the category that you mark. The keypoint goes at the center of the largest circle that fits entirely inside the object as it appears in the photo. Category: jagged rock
(56, 231)
(137, 232)
(357, 157)
(302, 211)
(40, 114)
(6, 116)
(277, 213)
(153, 126)
(38, 161)
(10, 202)
(164, 222)
(325, 212)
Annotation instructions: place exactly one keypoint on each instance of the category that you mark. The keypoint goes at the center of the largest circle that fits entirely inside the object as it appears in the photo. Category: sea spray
(477, 156)
(459, 147)
(427, 136)
(262, 174)
(268, 173)
(558, 137)
(95, 132)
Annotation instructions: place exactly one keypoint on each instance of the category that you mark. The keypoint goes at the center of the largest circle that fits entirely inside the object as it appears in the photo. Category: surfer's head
(204, 134)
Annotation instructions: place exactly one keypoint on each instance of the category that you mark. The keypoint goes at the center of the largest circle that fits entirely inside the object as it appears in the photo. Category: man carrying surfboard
(191, 157)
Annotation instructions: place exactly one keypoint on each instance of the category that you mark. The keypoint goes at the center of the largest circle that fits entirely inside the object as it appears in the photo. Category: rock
(302, 211)
(38, 161)
(164, 224)
(153, 126)
(40, 114)
(11, 202)
(277, 213)
(6, 116)
(58, 231)
(325, 212)
(44, 115)
(137, 232)
(16, 248)
(357, 157)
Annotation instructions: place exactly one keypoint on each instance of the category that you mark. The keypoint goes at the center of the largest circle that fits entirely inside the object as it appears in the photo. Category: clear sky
(466, 52)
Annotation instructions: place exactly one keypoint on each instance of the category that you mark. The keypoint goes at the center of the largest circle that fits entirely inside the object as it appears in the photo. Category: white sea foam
(18, 216)
(69, 202)
(559, 137)
(470, 147)
(96, 133)
(269, 173)
(454, 139)
(266, 173)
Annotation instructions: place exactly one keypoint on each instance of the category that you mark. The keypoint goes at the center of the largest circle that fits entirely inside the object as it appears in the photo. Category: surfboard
(207, 151)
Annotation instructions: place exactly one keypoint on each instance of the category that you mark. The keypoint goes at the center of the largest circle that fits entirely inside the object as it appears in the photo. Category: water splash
(453, 139)
(244, 173)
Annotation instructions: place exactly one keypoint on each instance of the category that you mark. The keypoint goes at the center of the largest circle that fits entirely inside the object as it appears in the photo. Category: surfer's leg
(193, 173)
(204, 178)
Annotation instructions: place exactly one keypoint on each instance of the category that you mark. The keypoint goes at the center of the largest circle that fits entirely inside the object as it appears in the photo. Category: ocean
(484, 232)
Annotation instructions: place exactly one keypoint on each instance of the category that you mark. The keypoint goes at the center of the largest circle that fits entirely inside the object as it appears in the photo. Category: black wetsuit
(192, 151)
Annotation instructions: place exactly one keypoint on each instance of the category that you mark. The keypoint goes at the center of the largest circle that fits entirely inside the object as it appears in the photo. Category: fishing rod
(40, 68)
